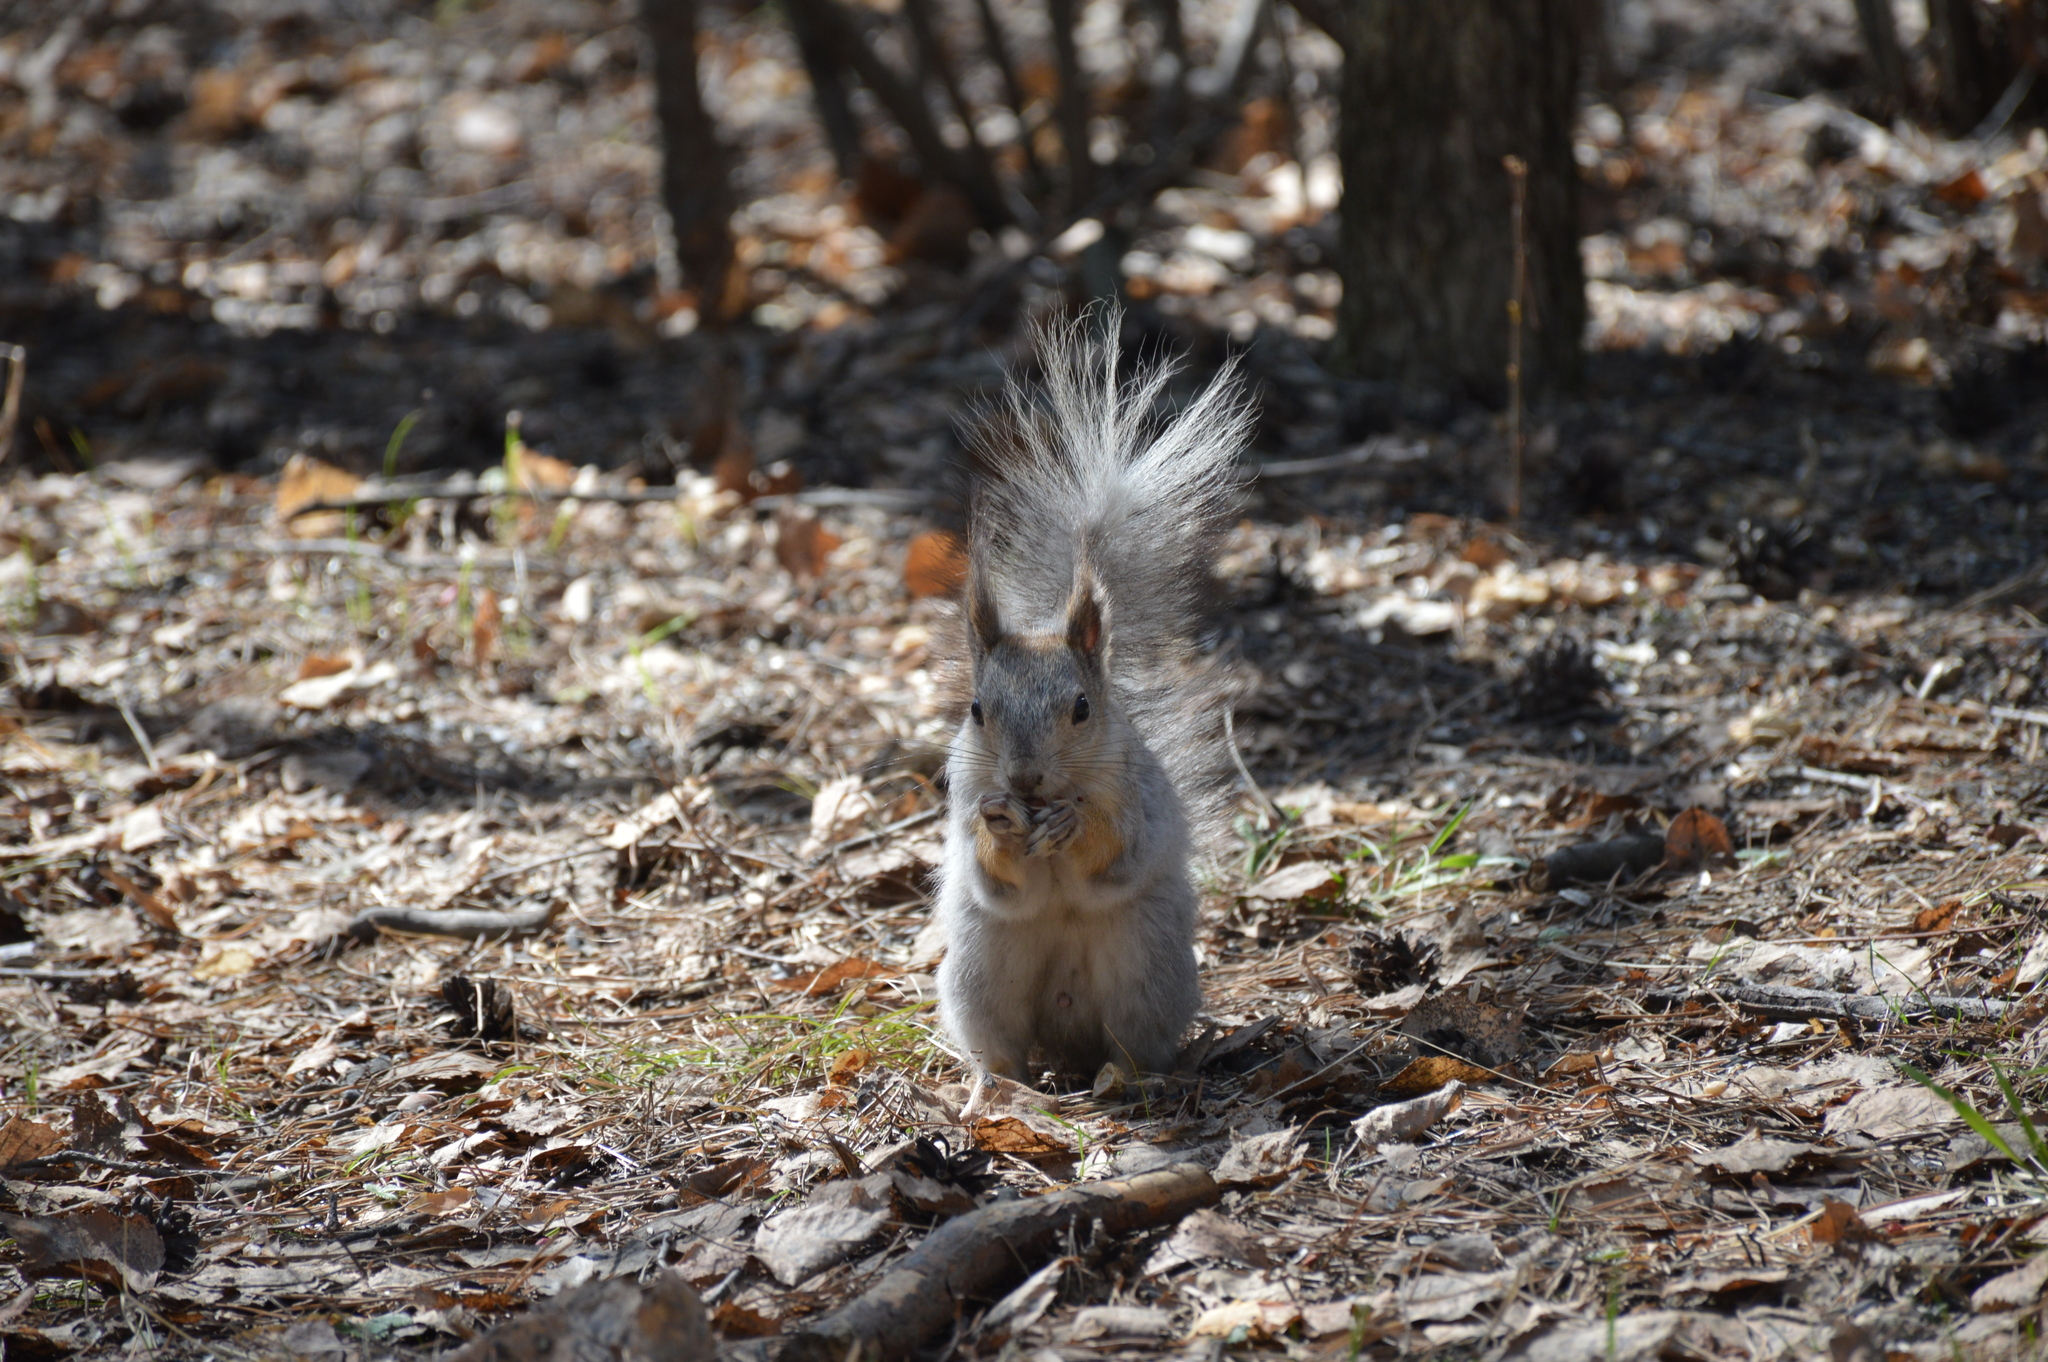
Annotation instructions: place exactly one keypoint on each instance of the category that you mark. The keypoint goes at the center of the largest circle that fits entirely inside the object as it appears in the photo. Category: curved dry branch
(975, 1256)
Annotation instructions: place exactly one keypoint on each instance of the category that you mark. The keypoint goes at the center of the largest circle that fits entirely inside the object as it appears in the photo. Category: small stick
(1518, 171)
(1237, 759)
(10, 408)
(887, 498)
(141, 736)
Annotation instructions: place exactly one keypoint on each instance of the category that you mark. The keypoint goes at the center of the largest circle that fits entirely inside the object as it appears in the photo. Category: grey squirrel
(1091, 741)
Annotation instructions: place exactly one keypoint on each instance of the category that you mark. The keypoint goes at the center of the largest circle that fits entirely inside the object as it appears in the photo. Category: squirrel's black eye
(1080, 709)
(975, 710)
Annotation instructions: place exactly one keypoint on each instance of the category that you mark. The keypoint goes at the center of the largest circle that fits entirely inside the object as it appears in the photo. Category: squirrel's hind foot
(989, 1092)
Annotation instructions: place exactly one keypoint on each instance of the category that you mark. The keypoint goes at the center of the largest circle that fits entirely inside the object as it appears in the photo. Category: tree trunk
(1972, 67)
(696, 181)
(1434, 96)
(1887, 58)
(831, 90)
(1074, 100)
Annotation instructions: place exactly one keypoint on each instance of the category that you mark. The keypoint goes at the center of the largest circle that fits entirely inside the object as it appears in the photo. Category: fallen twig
(10, 406)
(234, 1178)
(459, 922)
(1380, 449)
(1599, 862)
(976, 1255)
(1797, 1004)
(468, 489)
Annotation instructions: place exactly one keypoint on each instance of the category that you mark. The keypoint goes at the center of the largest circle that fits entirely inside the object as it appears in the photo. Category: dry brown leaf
(453, 1201)
(737, 1321)
(1837, 1224)
(663, 810)
(802, 543)
(1208, 1237)
(1260, 1160)
(1577, 1062)
(1484, 552)
(1322, 1318)
(1852, 757)
(834, 1220)
(1430, 1072)
(780, 479)
(935, 565)
(97, 1244)
(1259, 1321)
(322, 691)
(2014, 1290)
(317, 665)
(1470, 1029)
(1012, 1135)
(1401, 1122)
(1302, 880)
(216, 109)
(1939, 918)
(848, 1066)
(59, 618)
(306, 481)
(733, 1175)
(1966, 190)
(229, 962)
(1753, 1155)
(154, 907)
(828, 979)
(1696, 838)
(1714, 1281)
(22, 1140)
(1638, 1336)
(2029, 241)
(532, 472)
(483, 628)
(931, 1198)
(617, 1319)
(1889, 1113)
(733, 469)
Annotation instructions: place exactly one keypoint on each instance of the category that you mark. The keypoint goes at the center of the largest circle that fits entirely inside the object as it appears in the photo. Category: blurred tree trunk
(831, 89)
(1887, 58)
(1433, 97)
(696, 170)
(1972, 62)
(1073, 105)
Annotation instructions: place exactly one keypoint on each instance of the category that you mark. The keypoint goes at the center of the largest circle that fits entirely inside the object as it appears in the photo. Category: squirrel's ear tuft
(982, 619)
(1084, 617)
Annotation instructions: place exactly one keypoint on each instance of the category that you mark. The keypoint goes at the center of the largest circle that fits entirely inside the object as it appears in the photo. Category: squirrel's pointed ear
(983, 622)
(1084, 617)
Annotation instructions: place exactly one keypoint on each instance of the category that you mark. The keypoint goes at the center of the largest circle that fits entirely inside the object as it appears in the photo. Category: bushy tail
(1086, 471)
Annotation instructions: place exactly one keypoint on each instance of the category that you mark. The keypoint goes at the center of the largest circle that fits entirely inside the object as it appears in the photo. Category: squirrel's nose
(1024, 782)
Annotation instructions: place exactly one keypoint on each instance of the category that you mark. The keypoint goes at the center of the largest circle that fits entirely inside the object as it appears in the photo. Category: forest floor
(1770, 636)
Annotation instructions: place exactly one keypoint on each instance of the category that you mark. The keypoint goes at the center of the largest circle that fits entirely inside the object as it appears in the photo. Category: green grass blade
(1971, 1116)
(2012, 1102)
(1443, 838)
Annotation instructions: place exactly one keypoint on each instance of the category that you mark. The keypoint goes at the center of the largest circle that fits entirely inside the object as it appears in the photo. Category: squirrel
(1089, 752)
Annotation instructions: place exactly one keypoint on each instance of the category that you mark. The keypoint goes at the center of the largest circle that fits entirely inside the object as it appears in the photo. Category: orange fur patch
(1099, 842)
(997, 862)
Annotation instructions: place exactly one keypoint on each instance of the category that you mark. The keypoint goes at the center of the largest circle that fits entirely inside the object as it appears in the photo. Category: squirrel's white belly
(1097, 985)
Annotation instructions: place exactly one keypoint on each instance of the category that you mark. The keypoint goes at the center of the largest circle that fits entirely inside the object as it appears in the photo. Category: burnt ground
(1781, 565)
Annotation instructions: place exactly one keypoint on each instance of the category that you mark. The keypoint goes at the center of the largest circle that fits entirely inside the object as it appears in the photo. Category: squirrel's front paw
(1054, 827)
(1005, 816)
